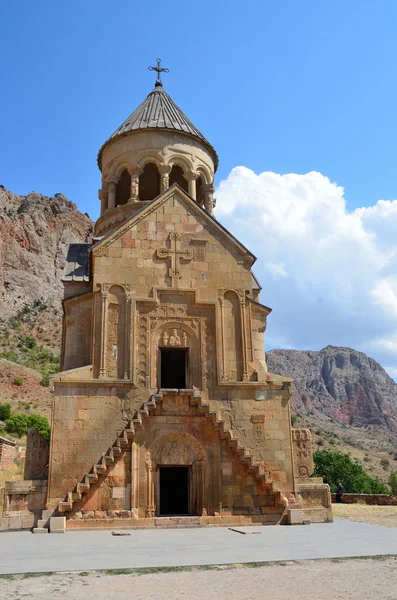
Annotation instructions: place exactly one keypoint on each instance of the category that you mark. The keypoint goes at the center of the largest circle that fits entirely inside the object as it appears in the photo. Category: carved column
(244, 336)
(103, 197)
(209, 198)
(104, 321)
(165, 177)
(221, 304)
(192, 178)
(127, 336)
(134, 193)
(150, 489)
(201, 490)
(112, 193)
(135, 479)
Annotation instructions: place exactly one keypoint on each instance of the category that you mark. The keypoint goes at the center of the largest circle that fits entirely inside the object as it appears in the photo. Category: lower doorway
(174, 490)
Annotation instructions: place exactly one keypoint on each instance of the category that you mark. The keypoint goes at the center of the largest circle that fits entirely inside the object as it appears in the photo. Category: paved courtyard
(22, 552)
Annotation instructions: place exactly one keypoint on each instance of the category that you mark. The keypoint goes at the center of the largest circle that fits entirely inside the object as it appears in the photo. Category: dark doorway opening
(173, 368)
(174, 490)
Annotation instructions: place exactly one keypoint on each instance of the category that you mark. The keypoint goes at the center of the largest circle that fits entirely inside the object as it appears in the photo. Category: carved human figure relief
(174, 338)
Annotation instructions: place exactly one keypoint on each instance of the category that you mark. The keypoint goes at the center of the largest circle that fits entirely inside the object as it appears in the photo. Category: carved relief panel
(177, 324)
(303, 453)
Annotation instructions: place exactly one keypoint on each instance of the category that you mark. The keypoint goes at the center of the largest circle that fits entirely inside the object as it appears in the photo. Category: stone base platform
(173, 522)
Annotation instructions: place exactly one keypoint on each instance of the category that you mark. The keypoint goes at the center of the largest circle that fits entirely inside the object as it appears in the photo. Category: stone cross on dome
(159, 70)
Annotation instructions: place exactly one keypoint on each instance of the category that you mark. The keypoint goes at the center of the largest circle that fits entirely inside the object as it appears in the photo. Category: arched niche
(149, 182)
(115, 333)
(199, 190)
(232, 332)
(123, 188)
(172, 343)
(177, 175)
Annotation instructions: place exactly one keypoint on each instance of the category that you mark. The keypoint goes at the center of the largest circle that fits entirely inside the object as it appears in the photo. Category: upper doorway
(173, 368)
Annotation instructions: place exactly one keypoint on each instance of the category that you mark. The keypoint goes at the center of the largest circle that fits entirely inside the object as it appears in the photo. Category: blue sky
(276, 86)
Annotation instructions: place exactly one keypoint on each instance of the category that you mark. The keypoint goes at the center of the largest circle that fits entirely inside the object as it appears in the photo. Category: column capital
(209, 187)
(193, 175)
(113, 179)
(164, 169)
(134, 170)
(102, 194)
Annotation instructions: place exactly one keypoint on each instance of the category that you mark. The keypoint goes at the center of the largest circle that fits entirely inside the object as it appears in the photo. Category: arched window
(199, 191)
(123, 188)
(149, 182)
(177, 176)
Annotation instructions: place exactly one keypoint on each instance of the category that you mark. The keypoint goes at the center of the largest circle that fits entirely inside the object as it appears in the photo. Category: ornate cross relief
(175, 254)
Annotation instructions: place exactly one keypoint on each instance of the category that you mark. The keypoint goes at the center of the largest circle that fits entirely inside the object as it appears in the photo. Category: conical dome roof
(159, 111)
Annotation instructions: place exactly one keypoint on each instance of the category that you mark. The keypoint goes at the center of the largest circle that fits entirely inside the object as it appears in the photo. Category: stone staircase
(125, 437)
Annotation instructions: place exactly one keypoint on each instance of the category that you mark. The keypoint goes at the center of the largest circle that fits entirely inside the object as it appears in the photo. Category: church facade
(164, 409)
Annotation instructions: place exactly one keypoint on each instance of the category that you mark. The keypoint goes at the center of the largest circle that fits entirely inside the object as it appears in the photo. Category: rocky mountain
(35, 232)
(340, 383)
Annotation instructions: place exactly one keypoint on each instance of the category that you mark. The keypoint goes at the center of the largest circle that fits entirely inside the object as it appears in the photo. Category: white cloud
(329, 274)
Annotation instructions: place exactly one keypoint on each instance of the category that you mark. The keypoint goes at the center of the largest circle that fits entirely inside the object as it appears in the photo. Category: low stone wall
(23, 503)
(8, 452)
(373, 499)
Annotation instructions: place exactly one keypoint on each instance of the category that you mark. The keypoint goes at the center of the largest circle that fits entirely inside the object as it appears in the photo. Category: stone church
(164, 411)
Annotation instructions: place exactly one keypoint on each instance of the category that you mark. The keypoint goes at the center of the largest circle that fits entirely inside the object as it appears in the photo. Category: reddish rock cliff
(35, 232)
(341, 383)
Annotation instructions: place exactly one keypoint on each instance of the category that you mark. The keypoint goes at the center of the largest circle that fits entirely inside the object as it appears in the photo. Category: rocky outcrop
(341, 383)
(35, 232)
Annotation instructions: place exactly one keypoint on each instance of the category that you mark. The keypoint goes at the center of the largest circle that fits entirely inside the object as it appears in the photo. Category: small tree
(17, 424)
(335, 467)
(40, 424)
(393, 483)
(5, 411)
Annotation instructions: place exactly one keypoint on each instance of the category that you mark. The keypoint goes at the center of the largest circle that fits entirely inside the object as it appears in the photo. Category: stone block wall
(370, 499)
(8, 452)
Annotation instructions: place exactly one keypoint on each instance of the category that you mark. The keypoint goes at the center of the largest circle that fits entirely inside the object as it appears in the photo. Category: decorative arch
(173, 439)
(120, 166)
(205, 174)
(188, 452)
(232, 337)
(181, 161)
(149, 156)
(189, 339)
(116, 333)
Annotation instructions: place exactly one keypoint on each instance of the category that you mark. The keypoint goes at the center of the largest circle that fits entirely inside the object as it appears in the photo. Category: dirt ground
(347, 579)
(377, 515)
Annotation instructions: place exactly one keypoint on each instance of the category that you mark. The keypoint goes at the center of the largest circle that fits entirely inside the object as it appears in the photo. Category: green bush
(293, 419)
(30, 342)
(19, 424)
(41, 425)
(19, 380)
(45, 380)
(5, 411)
(385, 463)
(335, 467)
(393, 483)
